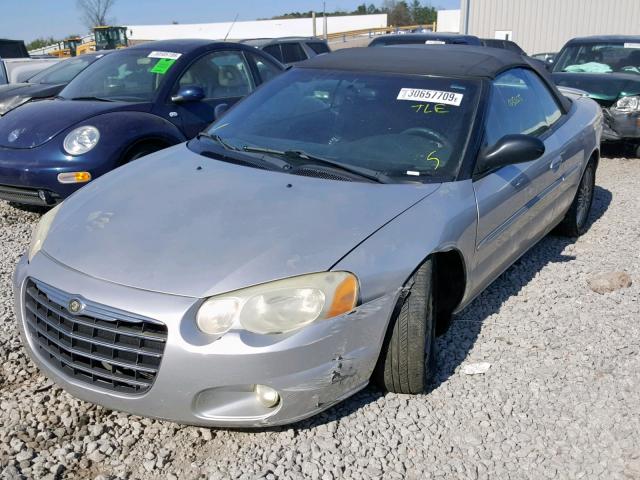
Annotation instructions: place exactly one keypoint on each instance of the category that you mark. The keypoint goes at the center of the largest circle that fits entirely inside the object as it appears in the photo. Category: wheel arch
(150, 141)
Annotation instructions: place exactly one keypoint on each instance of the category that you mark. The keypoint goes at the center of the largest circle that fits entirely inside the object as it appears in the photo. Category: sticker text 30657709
(438, 96)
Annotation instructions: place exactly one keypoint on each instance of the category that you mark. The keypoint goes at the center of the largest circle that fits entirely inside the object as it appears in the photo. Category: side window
(274, 51)
(319, 47)
(266, 69)
(3, 75)
(292, 52)
(515, 106)
(548, 103)
(220, 75)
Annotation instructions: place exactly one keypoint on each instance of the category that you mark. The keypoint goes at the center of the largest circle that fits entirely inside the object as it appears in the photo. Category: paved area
(560, 397)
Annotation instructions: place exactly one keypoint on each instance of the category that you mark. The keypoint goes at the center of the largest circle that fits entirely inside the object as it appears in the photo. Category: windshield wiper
(218, 139)
(306, 158)
(97, 99)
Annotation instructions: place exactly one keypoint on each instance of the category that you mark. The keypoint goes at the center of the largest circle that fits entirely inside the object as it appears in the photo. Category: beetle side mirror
(188, 93)
(509, 150)
(220, 110)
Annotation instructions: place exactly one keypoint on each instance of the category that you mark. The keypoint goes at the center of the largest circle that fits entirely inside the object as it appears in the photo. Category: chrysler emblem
(75, 306)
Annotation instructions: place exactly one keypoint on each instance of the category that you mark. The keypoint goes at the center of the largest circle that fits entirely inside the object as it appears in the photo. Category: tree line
(399, 13)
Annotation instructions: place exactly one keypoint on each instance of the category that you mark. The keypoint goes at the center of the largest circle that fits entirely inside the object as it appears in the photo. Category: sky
(30, 19)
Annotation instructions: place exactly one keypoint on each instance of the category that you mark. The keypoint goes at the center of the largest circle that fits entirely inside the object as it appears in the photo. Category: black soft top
(462, 61)
(423, 38)
(605, 39)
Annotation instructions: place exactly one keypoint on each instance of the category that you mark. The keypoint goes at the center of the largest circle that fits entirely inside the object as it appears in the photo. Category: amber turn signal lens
(74, 177)
(345, 297)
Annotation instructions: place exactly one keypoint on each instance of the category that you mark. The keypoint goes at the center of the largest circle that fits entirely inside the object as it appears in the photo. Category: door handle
(555, 164)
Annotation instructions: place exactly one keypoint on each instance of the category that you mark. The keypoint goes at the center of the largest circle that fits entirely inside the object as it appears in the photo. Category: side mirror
(188, 93)
(509, 150)
(220, 110)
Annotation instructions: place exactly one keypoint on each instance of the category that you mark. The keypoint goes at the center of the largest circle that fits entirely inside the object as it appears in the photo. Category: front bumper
(619, 126)
(30, 176)
(201, 382)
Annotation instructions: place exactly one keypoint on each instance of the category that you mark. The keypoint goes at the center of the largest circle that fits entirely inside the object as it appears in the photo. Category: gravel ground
(560, 399)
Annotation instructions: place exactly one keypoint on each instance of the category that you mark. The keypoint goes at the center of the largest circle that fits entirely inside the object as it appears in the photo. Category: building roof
(446, 61)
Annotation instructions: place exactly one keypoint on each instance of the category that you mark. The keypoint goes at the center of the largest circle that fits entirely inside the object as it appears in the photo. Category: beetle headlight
(628, 104)
(280, 306)
(11, 103)
(80, 140)
(41, 231)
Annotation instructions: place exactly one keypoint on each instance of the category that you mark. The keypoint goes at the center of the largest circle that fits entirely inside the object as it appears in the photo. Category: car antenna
(231, 27)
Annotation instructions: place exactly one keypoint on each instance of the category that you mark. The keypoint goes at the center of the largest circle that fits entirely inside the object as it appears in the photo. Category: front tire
(407, 358)
(576, 220)
(141, 151)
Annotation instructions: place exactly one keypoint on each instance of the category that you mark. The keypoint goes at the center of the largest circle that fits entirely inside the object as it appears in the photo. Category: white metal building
(545, 25)
(256, 29)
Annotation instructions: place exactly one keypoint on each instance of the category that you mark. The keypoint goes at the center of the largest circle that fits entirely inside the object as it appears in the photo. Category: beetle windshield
(63, 72)
(404, 127)
(127, 75)
(600, 58)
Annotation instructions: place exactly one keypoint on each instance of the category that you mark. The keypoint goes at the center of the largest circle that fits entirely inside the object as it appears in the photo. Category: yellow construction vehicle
(67, 48)
(105, 38)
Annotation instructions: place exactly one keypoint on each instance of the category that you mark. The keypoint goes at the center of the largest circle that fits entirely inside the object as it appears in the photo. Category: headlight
(41, 231)
(11, 103)
(81, 140)
(280, 306)
(628, 104)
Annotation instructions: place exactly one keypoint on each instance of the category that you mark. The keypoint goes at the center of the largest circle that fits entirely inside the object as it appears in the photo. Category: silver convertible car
(316, 237)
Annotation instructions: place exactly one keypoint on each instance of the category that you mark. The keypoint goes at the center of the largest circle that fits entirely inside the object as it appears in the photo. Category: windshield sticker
(427, 108)
(169, 55)
(413, 172)
(515, 100)
(434, 42)
(632, 45)
(435, 96)
(163, 66)
(431, 158)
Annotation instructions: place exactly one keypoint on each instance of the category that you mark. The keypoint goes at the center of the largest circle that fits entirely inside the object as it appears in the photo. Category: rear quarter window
(319, 47)
(292, 52)
(274, 51)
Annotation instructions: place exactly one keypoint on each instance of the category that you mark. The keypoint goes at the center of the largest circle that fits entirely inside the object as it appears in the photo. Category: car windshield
(63, 72)
(126, 75)
(403, 127)
(600, 58)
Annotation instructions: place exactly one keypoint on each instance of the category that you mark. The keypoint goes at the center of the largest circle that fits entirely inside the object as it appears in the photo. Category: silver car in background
(317, 236)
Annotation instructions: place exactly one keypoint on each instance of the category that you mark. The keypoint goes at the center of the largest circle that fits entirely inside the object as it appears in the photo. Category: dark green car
(608, 69)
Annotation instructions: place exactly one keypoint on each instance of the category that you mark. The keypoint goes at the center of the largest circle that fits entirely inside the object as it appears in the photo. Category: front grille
(27, 196)
(100, 346)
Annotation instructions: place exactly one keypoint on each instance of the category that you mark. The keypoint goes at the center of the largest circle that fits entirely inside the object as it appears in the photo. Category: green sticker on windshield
(163, 65)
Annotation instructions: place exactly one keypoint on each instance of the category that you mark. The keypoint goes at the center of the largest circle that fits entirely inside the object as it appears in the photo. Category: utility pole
(324, 20)
(313, 19)
(466, 17)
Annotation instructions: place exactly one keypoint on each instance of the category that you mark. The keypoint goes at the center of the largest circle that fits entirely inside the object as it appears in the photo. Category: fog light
(74, 177)
(267, 396)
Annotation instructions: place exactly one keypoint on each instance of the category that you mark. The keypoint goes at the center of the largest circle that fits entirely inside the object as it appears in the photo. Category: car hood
(12, 89)
(36, 123)
(605, 88)
(179, 223)
(31, 90)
